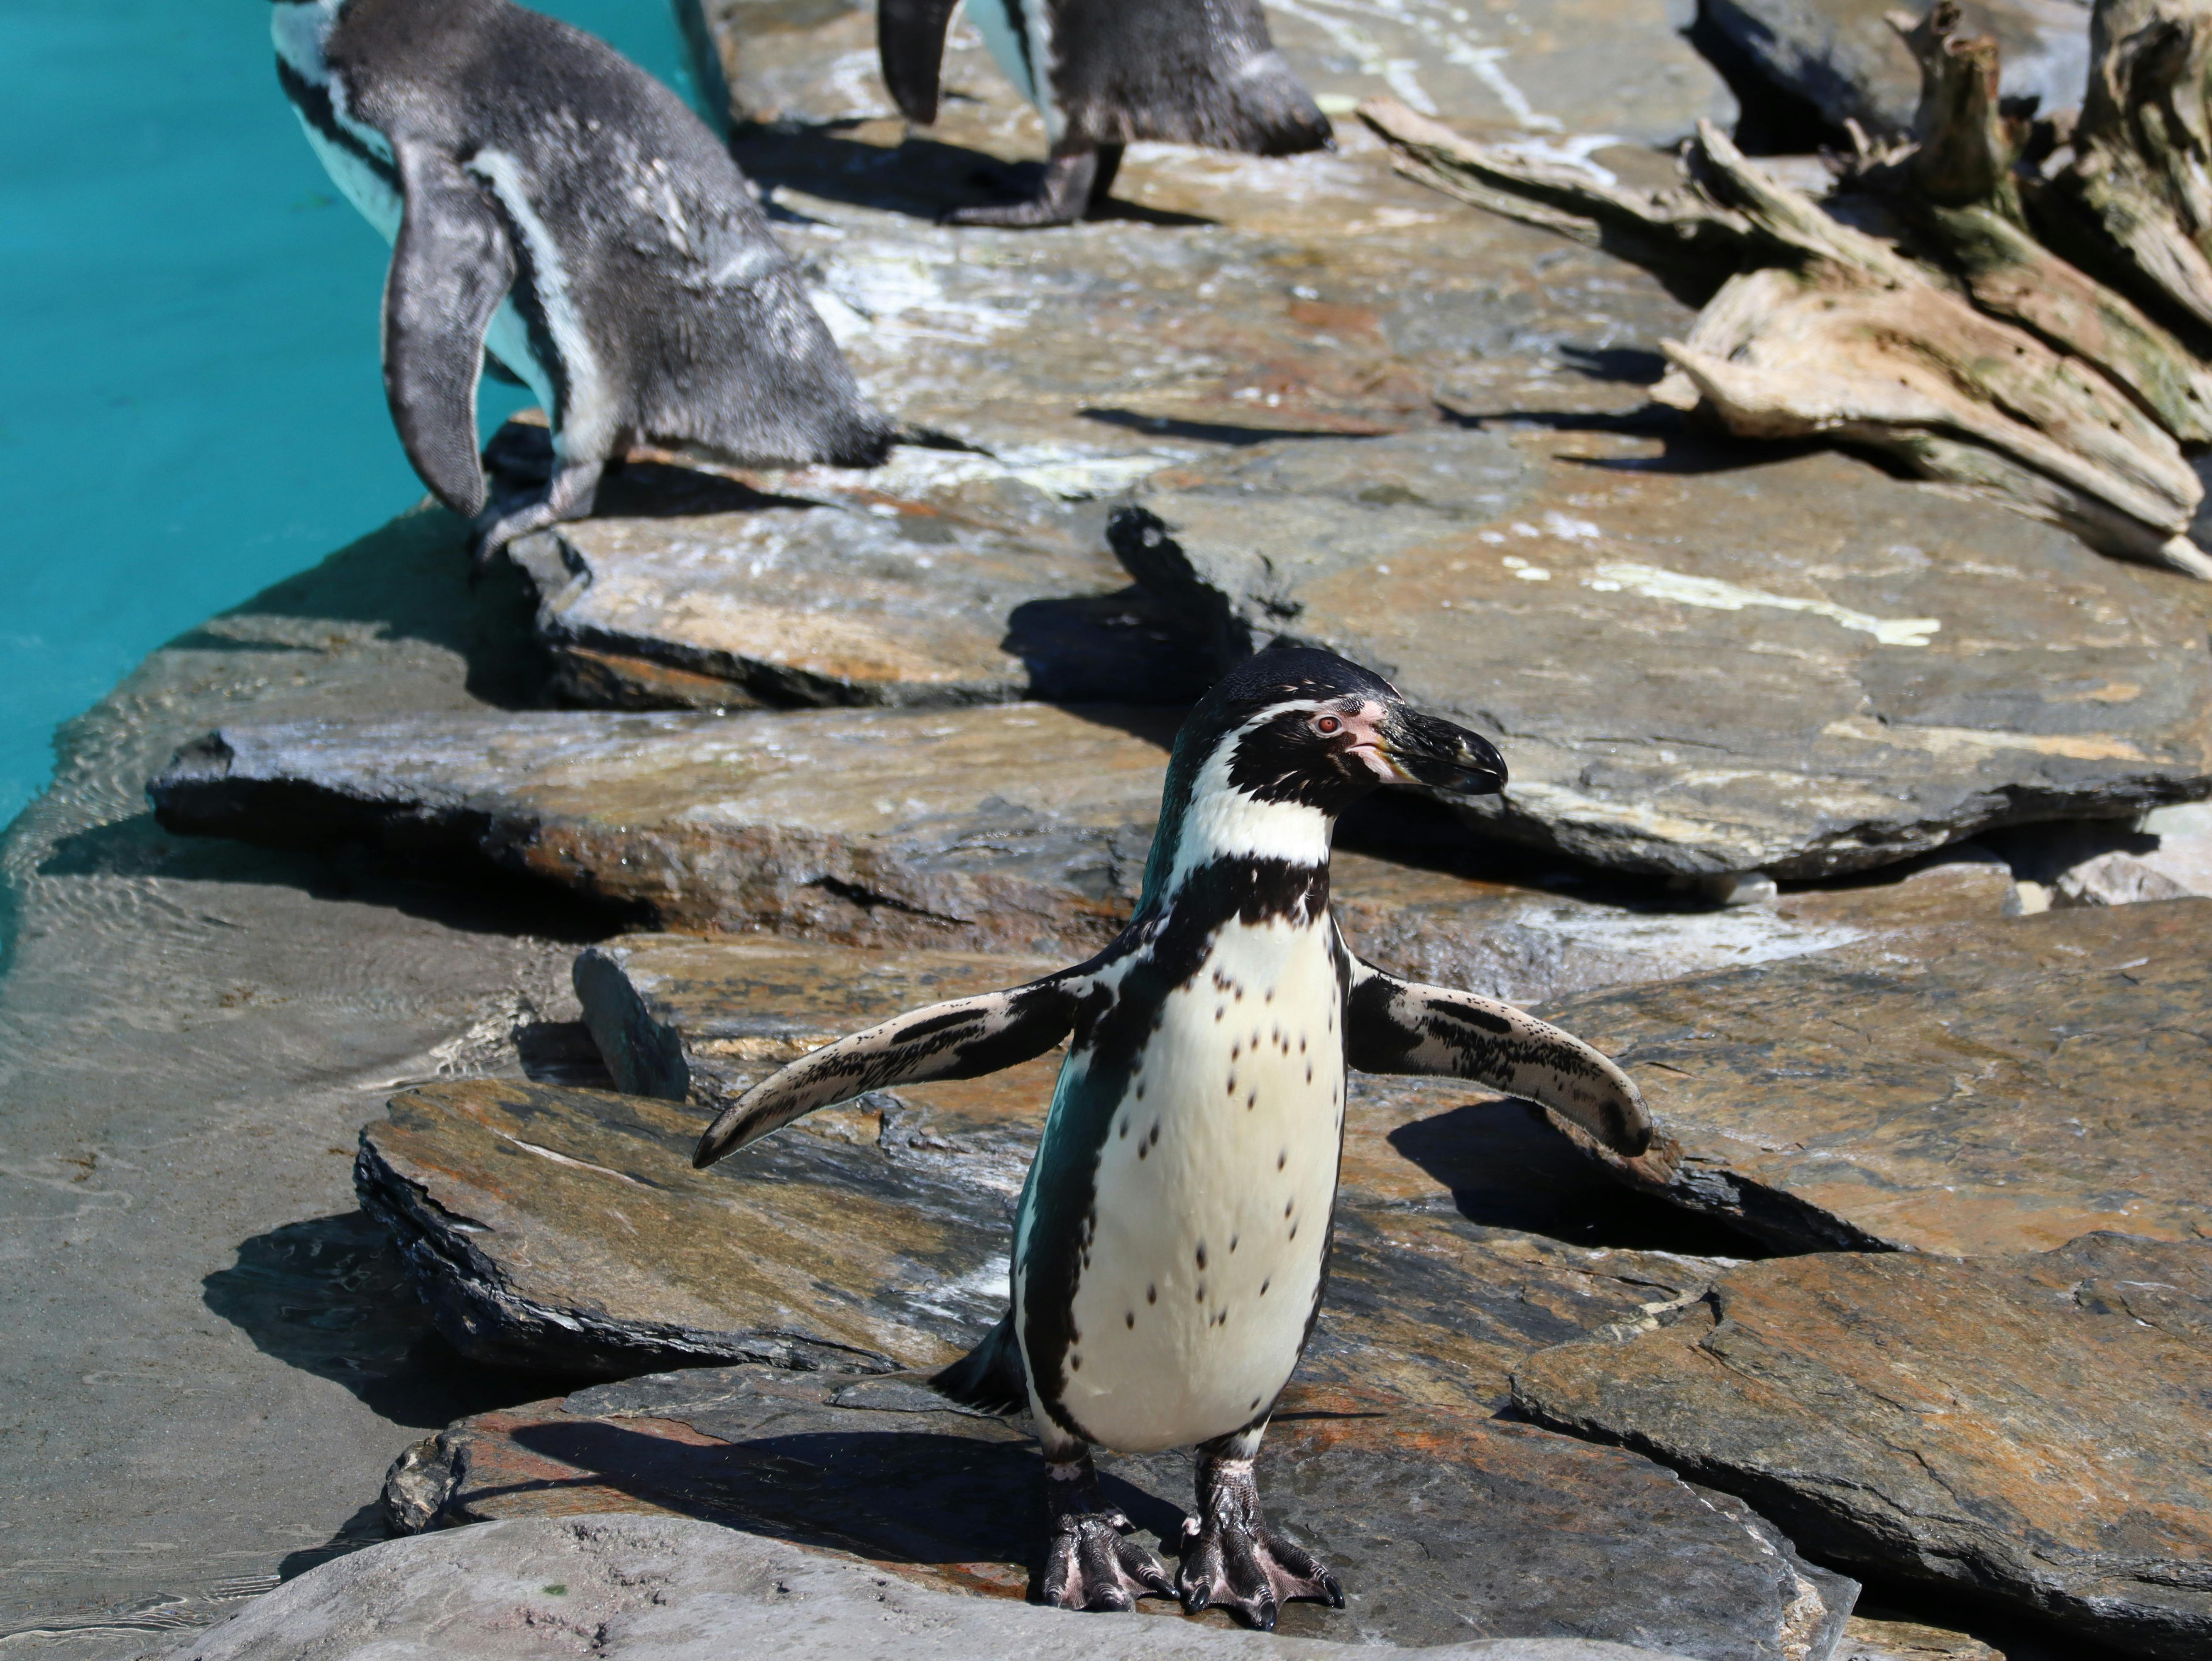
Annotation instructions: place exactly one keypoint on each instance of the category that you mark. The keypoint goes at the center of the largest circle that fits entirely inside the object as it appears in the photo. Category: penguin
(1172, 1239)
(553, 206)
(1103, 73)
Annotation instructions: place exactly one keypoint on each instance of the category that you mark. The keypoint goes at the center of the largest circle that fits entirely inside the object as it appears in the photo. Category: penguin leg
(575, 487)
(1230, 1555)
(1090, 1562)
(1072, 185)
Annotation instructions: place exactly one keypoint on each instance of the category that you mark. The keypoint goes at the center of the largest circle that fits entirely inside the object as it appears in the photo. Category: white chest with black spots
(1213, 1195)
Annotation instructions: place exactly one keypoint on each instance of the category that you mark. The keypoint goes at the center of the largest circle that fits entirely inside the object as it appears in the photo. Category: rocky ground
(349, 1074)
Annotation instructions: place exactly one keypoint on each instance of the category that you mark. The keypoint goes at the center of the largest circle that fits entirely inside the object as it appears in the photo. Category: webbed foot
(1232, 1559)
(1091, 1563)
(1074, 184)
(570, 495)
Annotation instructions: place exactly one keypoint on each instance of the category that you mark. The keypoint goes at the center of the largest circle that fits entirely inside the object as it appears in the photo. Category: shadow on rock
(1508, 1168)
(924, 177)
(330, 1297)
(480, 899)
(411, 576)
(917, 1497)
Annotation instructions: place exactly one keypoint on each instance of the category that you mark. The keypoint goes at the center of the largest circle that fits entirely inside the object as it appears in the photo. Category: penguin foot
(1092, 1564)
(569, 495)
(1073, 184)
(1232, 1559)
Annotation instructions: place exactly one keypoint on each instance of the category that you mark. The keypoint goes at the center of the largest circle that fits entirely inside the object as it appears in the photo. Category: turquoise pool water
(190, 405)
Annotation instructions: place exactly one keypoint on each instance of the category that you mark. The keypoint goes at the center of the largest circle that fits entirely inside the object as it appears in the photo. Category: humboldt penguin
(1173, 1236)
(1103, 73)
(551, 203)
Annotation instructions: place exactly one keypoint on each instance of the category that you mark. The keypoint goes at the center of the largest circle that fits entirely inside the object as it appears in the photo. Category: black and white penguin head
(1286, 742)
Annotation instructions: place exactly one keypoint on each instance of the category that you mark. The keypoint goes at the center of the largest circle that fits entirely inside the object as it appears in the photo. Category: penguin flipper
(1392, 1026)
(910, 40)
(452, 264)
(991, 1376)
(964, 1038)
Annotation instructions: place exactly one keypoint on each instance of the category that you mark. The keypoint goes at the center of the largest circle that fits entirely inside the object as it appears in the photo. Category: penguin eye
(1327, 724)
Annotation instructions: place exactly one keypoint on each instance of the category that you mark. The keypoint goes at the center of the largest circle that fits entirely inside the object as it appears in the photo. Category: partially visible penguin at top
(551, 204)
(1105, 73)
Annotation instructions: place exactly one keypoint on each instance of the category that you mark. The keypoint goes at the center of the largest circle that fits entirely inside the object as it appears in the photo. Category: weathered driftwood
(1914, 310)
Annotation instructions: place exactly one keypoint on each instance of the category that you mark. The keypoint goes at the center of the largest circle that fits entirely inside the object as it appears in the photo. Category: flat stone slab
(1804, 667)
(565, 1230)
(1841, 58)
(1232, 297)
(655, 1588)
(1228, 293)
(944, 577)
(2031, 1428)
(1020, 827)
(1981, 1088)
(1439, 1528)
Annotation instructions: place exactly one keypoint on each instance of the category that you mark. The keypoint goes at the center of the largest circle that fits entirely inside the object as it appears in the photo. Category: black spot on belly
(1201, 1254)
(1151, 1294)
(1131, 1317)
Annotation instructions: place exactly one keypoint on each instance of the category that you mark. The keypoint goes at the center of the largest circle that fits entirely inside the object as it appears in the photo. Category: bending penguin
(1172, 1239)
(551, 203)
(1103, 73)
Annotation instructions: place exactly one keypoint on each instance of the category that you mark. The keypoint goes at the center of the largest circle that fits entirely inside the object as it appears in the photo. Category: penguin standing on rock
(1104, 73)
(551, 203)
(1173, 1236)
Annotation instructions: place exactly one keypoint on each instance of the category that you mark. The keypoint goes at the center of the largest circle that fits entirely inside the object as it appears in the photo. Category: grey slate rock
(631, 1588)
(1017, 827)
(2026, 1428)
(1803, 668)
(1841, 55)
(1437, 1525)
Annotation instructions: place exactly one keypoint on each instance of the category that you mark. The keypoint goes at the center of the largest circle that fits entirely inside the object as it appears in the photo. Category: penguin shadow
(409, 579)
(920, 178)
(1686, 447)
(520, 459)
(1506, 1166)
(925, 1497)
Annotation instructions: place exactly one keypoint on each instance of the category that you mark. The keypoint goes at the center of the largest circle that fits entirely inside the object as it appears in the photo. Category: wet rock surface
(565, 1230)
(1017, 827)
(1843, 59)
(1439, 1528)
(1800, 668)
(2029, 1427)
(1990, 1088)
(649, 1588)
(947, 577)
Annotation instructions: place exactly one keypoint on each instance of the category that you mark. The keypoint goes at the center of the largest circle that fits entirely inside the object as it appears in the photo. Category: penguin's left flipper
(1392, 1026)
(965, 1038)
(910, 40)
(452, 264)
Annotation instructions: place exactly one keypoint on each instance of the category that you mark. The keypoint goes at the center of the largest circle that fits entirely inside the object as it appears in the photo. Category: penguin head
(1297, 725)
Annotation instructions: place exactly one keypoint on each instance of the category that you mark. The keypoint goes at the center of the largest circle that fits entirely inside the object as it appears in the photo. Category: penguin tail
(1277, 115)
(990, 1377)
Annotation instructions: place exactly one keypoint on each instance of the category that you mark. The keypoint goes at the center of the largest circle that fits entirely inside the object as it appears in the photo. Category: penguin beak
(1423, 749)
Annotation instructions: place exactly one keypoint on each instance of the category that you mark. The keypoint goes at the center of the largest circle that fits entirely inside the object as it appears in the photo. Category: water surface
(189, 403)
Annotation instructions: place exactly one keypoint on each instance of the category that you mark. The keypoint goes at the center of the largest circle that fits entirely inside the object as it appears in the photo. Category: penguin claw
(1233, 1559)
(1092, 1565)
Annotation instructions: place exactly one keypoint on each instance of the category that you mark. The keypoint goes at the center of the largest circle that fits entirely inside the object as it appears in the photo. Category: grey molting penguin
(1104, 73)
(551, 203)
(1172, 1239)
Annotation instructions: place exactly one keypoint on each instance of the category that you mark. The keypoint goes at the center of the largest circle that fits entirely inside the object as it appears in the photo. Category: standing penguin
(1173, 1236)
(1103, 73)
(551, 202)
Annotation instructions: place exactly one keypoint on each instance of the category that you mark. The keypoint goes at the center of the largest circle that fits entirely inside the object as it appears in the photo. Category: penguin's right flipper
(910, 40)
(1392, 1026)
(452, 264)
(965, 1038)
